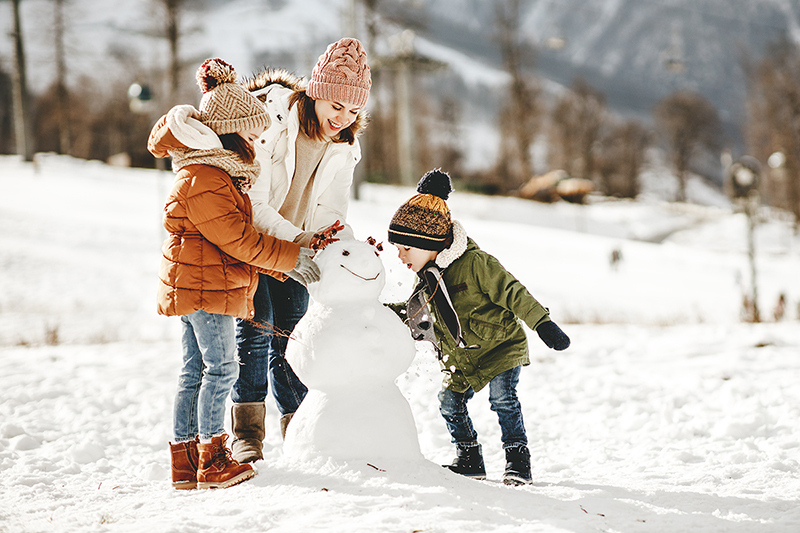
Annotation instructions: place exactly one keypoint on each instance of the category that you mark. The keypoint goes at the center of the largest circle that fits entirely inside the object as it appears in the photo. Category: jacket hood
(286, 82)
(180, 129)
(460, 242)
(272, 76)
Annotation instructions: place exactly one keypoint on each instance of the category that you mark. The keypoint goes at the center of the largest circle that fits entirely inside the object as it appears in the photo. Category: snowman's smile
(360, 276)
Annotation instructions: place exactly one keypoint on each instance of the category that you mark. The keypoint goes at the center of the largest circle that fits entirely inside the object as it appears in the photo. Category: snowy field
(667, 414)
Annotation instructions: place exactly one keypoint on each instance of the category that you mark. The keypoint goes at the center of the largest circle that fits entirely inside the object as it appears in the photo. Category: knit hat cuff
(414, 238)
(234, 125)
(337, 92)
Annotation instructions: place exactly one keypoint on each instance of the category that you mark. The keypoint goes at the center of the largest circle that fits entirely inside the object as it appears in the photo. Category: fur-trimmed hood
(272, 87)
(272, 76)
(446, 257)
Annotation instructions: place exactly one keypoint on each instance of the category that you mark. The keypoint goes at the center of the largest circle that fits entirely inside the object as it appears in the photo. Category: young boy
(475, 303)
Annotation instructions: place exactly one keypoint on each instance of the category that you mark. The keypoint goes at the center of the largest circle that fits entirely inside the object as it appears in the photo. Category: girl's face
(415, 258)
(334, 117)
(252, 134)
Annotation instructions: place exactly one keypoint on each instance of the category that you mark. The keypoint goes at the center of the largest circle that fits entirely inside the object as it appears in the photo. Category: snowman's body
(348, 350)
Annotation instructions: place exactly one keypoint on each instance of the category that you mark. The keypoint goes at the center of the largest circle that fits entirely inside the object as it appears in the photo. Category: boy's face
(415, 258)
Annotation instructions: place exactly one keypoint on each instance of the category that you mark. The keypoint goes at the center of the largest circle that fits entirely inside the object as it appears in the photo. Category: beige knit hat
(226, 106)
(341, 74)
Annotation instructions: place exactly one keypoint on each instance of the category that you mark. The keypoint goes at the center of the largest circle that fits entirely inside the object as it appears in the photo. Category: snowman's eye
(376, 254)
(345, 252)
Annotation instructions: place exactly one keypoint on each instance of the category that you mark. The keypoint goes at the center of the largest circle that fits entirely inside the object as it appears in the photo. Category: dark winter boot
(518, 465)
(184, 464)
(468, 461)
(285, 419)
(247, 423)
(216, 469)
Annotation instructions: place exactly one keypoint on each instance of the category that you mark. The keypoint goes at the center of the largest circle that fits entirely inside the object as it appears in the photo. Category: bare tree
(774, 123)
(6, 114)
(576, 124)
(690, 124)
(173, 35)
(621, 159)
(520, 113)
(62, 95)
(22, 131)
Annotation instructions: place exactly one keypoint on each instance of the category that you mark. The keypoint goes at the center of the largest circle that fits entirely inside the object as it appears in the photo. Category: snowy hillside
(113, 41)
(635, 52)
(666, 414)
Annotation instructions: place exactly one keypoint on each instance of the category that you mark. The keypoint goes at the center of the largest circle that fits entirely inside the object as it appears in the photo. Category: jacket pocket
(487, 329)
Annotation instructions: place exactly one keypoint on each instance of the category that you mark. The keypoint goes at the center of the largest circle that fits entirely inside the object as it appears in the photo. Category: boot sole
(479, 477)
(244, 476)
(184, 485)
(515, 480)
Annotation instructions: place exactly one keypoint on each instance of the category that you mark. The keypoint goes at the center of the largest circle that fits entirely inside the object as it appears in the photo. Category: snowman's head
(349, 271)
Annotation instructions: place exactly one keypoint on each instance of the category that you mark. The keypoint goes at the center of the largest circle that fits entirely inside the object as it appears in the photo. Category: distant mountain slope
(634, 51)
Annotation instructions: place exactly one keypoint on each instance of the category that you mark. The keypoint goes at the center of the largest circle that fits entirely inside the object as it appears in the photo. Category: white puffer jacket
(276, 151)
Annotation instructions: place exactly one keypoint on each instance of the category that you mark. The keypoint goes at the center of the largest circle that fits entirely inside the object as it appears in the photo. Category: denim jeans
(504, 402)
(261, 343)
(209, 370)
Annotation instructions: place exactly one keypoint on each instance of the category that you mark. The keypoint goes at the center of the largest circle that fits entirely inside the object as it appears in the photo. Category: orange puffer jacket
(210, 256)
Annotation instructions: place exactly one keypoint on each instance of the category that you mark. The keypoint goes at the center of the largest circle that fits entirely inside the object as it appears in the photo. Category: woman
(307, 155)
(207, 274)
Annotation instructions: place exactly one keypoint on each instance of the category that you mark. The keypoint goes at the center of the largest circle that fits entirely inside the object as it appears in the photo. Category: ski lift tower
(405, 62)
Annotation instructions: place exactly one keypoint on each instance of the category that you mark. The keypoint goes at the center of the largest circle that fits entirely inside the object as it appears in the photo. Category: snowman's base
(352, 428)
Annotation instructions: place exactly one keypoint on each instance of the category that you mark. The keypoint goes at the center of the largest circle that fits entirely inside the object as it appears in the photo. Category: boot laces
(222, 455)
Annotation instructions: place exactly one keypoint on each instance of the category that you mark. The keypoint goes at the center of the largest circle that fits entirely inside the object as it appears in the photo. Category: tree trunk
(62, 95)
(173, 36)
(22, 130)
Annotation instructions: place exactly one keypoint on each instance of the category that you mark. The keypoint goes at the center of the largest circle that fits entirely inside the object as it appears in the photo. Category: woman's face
(252, 134)
(334, 117)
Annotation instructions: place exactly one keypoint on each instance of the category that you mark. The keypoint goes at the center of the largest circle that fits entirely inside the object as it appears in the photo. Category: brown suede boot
(285, 419)
(247, 423)
(216, 468)
(184, 464)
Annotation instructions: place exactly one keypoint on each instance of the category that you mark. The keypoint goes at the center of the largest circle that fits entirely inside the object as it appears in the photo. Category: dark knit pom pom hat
(226, 106)
(424, 220)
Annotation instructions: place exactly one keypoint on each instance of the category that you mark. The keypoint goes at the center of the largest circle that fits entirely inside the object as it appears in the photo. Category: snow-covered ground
(667, 414)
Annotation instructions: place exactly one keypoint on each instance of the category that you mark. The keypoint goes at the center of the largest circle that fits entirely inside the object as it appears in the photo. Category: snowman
(348, 350)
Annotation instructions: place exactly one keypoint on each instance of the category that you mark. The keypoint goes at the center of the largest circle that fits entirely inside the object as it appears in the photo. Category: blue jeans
(503, 398)
(261, 343)
(209, 370)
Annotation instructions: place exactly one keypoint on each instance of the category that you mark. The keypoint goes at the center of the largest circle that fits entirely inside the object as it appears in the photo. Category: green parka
(490, 303)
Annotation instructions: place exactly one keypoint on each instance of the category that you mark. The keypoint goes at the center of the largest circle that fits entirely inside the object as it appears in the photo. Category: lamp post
(745, 175)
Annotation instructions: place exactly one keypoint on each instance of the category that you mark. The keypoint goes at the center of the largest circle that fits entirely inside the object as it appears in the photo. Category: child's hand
(552, 336)
(325, 237)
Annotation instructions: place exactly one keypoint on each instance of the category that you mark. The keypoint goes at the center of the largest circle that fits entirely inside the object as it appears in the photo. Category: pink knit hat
(341, 74)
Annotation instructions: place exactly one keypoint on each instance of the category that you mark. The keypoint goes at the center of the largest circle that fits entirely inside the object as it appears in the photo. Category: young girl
(207, 274)
(308, 155)
(475, 305)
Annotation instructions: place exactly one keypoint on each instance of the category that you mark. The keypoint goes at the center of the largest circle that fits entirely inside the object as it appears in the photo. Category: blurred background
(545, 99)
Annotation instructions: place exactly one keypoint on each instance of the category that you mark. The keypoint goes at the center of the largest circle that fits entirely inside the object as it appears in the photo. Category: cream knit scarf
(242, 174)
